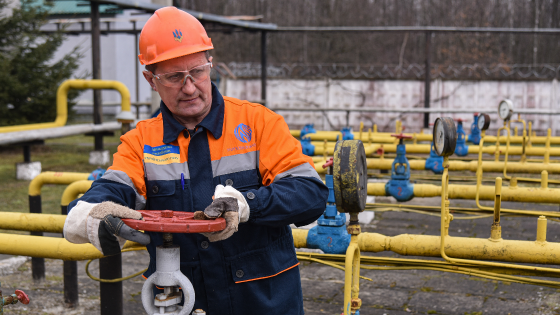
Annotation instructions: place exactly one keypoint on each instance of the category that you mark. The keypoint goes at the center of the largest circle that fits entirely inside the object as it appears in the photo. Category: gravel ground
(391, 292)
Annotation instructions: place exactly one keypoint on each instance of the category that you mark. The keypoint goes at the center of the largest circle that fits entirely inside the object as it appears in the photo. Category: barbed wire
(411, 71)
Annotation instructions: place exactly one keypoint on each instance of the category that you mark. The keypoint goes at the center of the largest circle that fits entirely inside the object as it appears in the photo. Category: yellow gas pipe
(514, 193)
(74, 190)
(125, 116)
(60, 178)
(446, 219)
(425, 149)
(487, 166)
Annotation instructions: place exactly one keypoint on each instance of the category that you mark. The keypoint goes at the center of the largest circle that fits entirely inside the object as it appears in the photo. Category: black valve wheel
(444, 136)
(350, 176)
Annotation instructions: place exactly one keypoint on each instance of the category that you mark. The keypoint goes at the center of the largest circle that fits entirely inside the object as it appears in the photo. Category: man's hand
(229, 204)
(101, 225)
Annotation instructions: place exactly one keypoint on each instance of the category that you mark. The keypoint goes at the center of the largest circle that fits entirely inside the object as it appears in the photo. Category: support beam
(427, 78)
(96, 71)
(263, 67)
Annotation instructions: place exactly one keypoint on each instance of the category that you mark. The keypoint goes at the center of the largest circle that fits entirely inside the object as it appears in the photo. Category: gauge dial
(483, 121)
(444, 136)
(505, 109)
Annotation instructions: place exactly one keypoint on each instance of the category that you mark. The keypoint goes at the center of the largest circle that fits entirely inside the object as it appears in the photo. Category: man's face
(190, 102)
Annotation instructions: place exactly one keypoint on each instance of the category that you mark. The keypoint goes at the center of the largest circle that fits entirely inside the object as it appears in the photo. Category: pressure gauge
(444, 136)
(483, 121)
(505, 109)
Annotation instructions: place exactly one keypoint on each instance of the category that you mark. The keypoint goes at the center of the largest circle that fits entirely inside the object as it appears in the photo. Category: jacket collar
(213, 122)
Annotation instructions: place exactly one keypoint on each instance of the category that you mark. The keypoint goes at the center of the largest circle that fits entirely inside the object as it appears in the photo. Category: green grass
(69, 154)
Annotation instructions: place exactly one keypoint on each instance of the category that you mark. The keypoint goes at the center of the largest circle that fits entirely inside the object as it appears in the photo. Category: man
(206, 146)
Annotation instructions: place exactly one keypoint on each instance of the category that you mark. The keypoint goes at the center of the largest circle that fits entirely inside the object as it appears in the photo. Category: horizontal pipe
(50, 247)
(385, 137)
(415, 245)
(487, 166)
(59, 178)
(443, 29)
(516, 194)
(58, 132)
(32, 222)
(460, 247)
(415, 110)
(425, 149)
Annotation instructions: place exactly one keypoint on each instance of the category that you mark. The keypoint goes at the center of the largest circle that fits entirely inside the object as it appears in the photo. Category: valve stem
(167, 240)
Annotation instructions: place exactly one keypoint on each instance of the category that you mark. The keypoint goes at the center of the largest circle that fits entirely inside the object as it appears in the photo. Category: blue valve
(97, 174)
(306, 147)
(330, 234)
(461, 149)
(306, 130)
(347, 133)
(434, 162)
(475, 135)
(399, 186)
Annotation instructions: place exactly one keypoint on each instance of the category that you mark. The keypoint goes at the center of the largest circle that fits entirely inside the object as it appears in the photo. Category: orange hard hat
(171, 33)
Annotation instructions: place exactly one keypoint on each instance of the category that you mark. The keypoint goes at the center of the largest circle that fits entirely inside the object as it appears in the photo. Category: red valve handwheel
(168, 221)
(401, 136)
(380, 151)
(459, 120)
(22, 297)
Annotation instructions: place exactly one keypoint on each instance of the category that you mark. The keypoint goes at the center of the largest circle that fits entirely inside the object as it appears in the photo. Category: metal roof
(204, 17)
(75, 7)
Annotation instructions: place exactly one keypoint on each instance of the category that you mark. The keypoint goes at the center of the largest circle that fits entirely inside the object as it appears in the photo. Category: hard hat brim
(175, 53)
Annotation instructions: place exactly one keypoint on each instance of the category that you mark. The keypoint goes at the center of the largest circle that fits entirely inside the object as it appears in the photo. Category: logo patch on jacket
(243, 133)
(163, 154)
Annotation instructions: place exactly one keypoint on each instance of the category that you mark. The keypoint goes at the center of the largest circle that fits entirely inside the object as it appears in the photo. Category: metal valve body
(168, 275)
(399, 186)
(168, 260)
(461, 148)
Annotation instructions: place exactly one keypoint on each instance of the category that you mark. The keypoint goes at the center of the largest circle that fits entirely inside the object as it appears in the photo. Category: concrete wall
(357, 94)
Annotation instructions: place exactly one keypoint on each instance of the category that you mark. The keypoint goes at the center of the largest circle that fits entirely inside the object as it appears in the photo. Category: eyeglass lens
(179, 78)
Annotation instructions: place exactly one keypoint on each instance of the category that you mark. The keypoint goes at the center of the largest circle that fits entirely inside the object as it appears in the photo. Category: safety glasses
(179, 78)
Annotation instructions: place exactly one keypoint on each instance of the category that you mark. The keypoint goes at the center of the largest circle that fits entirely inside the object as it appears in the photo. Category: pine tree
(28, 76)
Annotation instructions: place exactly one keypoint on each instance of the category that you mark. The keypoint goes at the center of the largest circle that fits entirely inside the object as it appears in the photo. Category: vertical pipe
(263, 67)
(111, 294)
(427, 78)
(96, 71)
(26, 154)
(37, 264)
(541, 229)
(70, 273)
(544, 180)
(497, 200)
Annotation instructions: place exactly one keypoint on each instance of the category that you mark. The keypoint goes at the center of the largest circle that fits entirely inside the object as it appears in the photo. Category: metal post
(37, 264)
(111, 293)
(109, 267)
(135, 58)
(70, 273)
(96, 70)
(263, 66)
(26, 154)
(428, 78)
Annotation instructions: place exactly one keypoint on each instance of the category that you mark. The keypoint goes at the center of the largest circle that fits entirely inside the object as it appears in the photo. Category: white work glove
(228, 203)
(100, 225)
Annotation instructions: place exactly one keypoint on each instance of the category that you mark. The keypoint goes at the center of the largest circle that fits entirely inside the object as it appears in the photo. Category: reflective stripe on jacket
(160, 166)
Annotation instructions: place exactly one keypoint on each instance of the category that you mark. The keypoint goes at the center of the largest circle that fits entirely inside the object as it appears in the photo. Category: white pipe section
(58, 132)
